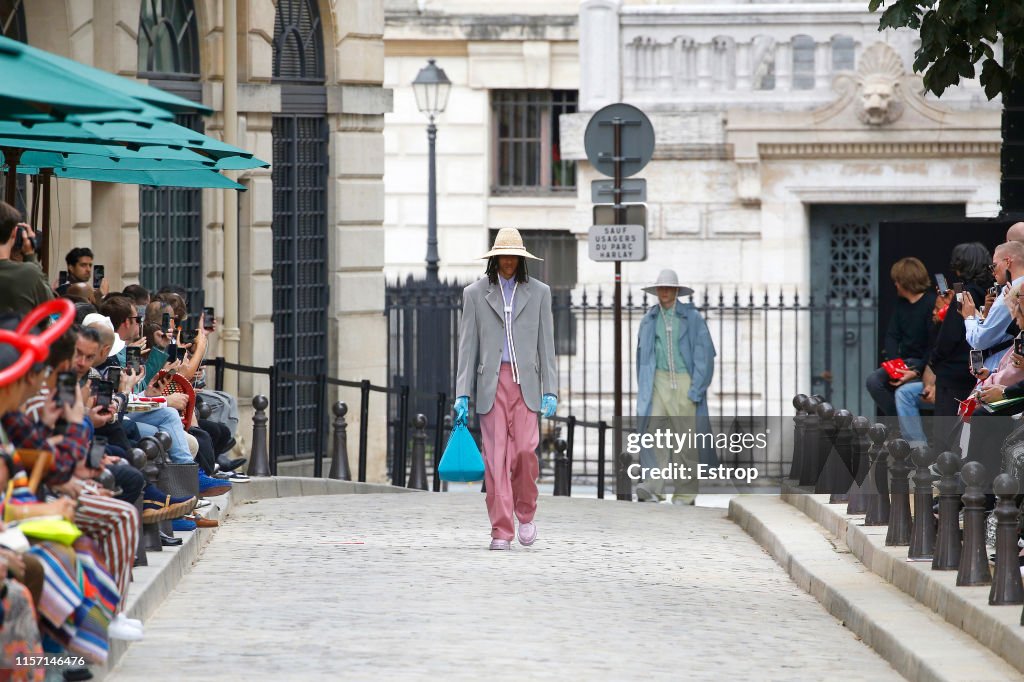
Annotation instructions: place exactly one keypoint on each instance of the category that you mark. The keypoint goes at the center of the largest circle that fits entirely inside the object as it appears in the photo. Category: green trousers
(671, 408)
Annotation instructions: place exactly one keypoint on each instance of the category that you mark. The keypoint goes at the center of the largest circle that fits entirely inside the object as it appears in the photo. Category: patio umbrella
(34, 83)
(189, 177)
(50, 154)
(58, 80)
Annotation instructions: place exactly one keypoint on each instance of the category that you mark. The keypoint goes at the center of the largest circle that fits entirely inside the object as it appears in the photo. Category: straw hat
(668, 278)
(509, 243)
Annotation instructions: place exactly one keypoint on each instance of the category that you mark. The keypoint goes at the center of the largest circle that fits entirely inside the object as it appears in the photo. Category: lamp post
(431, 88)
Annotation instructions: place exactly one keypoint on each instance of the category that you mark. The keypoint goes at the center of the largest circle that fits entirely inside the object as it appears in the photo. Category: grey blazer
(482, 340)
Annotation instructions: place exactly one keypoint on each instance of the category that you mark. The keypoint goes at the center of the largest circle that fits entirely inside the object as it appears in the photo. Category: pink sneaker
(500, 544)
(527, 533)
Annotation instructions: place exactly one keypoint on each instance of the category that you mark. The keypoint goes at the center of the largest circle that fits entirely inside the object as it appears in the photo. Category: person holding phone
(950, 356)
(994, 334)
(907, 334)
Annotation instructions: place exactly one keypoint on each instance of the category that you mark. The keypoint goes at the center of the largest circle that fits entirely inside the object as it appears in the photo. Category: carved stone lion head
(878, 79)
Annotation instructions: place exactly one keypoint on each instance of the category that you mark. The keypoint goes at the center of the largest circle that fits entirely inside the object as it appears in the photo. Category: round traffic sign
(637, 139)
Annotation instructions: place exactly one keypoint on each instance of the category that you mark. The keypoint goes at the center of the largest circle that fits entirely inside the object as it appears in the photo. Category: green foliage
(958, 34)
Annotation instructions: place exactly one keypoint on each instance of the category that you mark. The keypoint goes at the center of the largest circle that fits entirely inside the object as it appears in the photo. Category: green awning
(199, 178)
(32, 80)
(106, 89)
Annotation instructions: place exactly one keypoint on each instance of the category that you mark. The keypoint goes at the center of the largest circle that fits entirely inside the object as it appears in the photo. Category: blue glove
(548, 405)
(461, 409)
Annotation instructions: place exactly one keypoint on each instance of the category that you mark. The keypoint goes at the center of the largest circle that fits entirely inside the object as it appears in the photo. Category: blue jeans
(165, 419)
(908, 408)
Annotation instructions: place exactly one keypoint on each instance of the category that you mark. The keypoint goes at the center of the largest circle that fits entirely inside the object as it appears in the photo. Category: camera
(22, 240)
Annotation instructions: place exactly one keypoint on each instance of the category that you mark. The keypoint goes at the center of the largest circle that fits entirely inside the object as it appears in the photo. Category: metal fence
(770, 346)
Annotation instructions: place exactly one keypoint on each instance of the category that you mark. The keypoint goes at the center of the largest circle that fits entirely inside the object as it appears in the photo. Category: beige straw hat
(668, 278)
(509, 243)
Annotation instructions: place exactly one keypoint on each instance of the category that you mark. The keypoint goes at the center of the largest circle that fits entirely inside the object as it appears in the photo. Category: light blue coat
(698, 351)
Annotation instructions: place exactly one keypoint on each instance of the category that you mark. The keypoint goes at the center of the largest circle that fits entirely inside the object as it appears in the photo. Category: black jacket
(951, 355)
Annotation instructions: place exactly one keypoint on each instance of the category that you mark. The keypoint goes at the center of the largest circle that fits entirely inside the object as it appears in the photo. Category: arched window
(803, 63)
(842, 53)
(12, 20)
(299, 176)
(168, 38)
(298, 42)
(171, 218)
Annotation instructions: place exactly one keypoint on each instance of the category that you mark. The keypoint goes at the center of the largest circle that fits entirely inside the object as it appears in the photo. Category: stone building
(306, 82)
(786, 133)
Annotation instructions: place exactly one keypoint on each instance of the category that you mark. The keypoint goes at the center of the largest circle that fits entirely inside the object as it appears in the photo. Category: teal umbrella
(49, 154)
(194, 177)
(29, 70)
(31, 81)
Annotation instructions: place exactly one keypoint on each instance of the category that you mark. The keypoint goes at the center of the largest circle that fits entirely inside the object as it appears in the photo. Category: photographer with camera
(23, 284)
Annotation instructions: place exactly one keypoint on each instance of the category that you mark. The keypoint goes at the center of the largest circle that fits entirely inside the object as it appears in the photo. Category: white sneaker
(134, 622)
(121, 628)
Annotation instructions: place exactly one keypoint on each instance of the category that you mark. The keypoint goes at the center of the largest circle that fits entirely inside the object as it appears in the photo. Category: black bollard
(838, 478)
(1006, 585)
(973, 568)
(948, 540)
(339, 457)
(876, 483)
(561, 469)
(800, 402)
(811, 434)
(922, 536)
(826, 444)
(140, 548)
(859, 448)
(900, 523)
(259, 461)
(418, 466)
(155, 460)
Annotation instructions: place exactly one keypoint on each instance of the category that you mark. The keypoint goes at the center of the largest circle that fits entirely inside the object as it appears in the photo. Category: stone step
(914, 639)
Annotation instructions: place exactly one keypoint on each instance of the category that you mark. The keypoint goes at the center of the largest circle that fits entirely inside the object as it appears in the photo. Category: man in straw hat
(507, 364)
(675, 360)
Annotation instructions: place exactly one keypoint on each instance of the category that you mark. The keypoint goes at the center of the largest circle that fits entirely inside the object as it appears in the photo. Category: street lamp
(431, 87)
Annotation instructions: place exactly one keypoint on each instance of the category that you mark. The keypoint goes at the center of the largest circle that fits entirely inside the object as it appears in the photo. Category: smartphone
(1018, 344)
(940, 283)
(104, 392)
(188, 333)
(165, 323)
(99, 448)
(182, 352)
(172, 352)
(66, 388)
(977, 361)
(97, 276)
(208, 319)
(62, 278)
(958, 291)
(23, 238)
(133, 358)
(113, 375)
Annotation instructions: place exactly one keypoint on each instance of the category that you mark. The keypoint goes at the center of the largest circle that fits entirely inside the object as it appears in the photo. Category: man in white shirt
(990, 334)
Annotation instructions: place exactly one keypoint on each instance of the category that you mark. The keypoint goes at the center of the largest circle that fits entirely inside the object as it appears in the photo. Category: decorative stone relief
(878, 80)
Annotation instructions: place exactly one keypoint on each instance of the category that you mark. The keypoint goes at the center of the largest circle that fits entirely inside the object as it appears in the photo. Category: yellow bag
(51, 528)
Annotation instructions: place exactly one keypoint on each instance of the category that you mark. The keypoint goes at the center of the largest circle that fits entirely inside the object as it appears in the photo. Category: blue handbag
(461, 460)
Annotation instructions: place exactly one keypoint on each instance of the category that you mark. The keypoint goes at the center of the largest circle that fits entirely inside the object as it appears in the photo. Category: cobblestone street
(403, 587)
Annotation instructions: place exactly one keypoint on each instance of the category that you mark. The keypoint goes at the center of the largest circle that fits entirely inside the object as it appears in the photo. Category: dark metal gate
(301, 292)
(171, 234)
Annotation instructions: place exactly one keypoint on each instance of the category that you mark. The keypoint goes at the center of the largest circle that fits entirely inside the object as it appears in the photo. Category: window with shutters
(527, 140)
(298, 42)
(168, 39)
(12, 20)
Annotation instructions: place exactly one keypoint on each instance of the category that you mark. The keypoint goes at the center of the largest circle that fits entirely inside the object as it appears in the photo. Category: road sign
(617, 242)
(635, 214)
(637, 139)
(634, 191)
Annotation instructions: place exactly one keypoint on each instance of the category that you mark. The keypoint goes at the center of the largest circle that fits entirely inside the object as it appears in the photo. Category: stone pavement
(403, 587)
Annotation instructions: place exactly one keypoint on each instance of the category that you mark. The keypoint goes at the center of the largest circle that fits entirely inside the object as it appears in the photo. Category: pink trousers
(510, 437)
